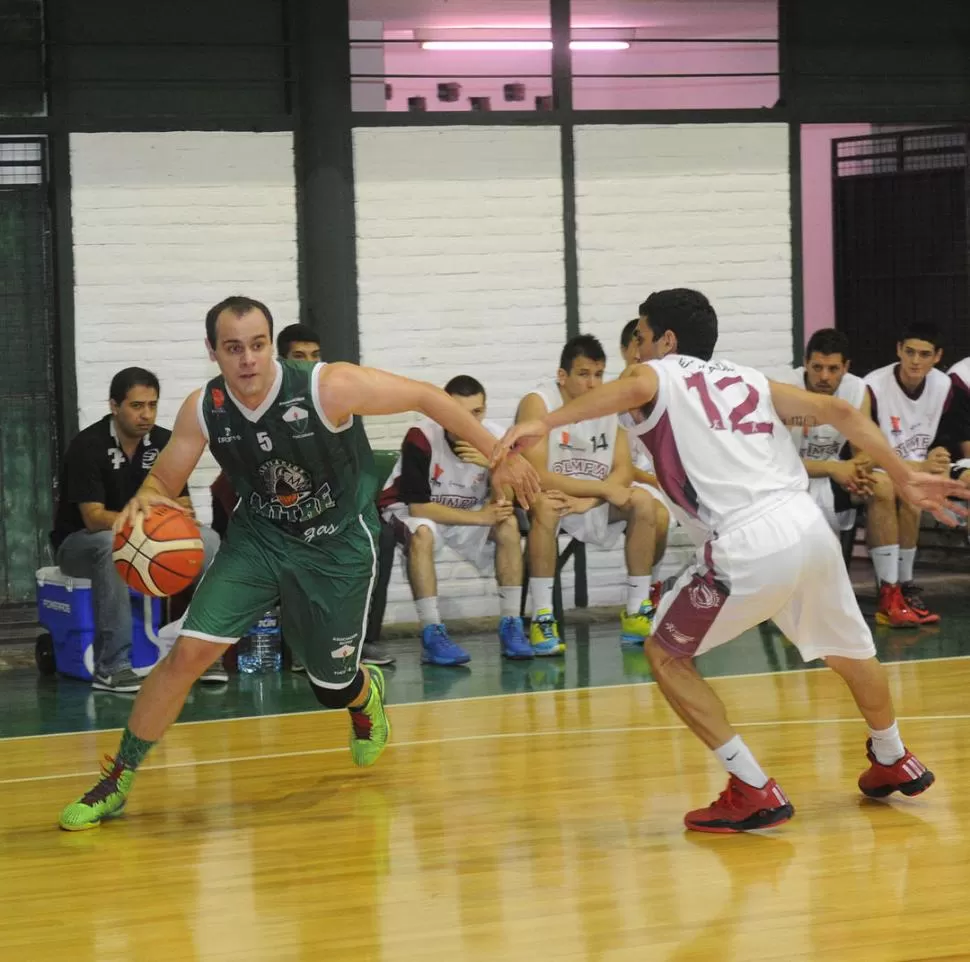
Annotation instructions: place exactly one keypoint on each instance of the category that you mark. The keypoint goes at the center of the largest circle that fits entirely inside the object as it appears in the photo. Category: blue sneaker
(511, 633)
(439, 649)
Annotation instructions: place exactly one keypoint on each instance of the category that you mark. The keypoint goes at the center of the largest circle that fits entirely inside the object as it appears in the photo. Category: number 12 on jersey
(738, 415)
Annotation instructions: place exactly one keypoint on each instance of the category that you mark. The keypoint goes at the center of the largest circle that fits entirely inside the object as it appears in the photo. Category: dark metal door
(28, 427)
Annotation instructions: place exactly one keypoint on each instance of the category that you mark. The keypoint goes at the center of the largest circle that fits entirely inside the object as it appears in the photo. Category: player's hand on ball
(139, 506)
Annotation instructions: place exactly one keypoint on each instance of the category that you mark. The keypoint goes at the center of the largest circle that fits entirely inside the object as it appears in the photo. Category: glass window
(454, 55)
(674, 54)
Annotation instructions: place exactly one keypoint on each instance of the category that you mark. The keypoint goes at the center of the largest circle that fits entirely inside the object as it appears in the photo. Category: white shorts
(658, 495)
(593, 527)
(785, 565)
(834, 503)
(471, 541)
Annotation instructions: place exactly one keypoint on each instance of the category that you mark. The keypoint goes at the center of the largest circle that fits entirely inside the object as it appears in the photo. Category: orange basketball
(162, 555)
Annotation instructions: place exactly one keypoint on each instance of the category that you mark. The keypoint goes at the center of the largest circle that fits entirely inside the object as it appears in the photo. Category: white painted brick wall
(704, 206)
(166, 225)
(460, 270)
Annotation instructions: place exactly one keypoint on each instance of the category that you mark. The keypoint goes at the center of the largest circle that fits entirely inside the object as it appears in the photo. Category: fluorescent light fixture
(521, 45)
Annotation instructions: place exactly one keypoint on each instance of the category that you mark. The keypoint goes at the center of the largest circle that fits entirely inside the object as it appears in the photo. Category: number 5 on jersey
(265, 441)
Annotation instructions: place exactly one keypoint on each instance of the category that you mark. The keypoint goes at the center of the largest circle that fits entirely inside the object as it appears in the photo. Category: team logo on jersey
(436, 474)
(703, 596)
(148, 457)
(288, 493)
(894, 424)
(564, 440)
(218, 401)
(227, 437)
(297, 419)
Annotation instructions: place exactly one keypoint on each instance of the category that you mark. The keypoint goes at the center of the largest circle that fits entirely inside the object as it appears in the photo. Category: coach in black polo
(103, 468)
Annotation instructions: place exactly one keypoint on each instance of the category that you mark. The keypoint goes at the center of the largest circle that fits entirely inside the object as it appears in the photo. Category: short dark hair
(828, 340)
(464, 385)
(292, 335)
(582, 345)
(629, 332)
(131, 377)
(238, 306)
(688, 314)
(921, 331)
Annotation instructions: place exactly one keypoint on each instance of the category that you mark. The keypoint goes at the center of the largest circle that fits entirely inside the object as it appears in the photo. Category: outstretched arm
(346, 389)
(925, 491)
(636, 386)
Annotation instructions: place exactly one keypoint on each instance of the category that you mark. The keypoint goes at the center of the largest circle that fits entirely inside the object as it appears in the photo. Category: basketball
(162, 555)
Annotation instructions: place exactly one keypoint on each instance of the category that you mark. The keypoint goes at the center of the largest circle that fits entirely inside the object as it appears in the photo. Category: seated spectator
(439, 494)
(297, 342)
(840, 478)
(909, 400)
(103, 468)
(956, 430)
(586, 473)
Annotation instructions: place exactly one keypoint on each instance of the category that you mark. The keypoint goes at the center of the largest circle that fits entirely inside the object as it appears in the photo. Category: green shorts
(323, 589)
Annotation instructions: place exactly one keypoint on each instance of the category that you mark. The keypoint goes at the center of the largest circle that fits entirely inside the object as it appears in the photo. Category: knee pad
(339, 697)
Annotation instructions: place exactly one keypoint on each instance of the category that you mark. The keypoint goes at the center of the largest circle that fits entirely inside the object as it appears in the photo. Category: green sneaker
(105, 800)
(369, 726)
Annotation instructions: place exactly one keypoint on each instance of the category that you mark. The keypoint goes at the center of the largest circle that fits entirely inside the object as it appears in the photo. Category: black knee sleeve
(339, 697)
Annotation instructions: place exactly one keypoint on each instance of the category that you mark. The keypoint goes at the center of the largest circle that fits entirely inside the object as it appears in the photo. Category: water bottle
(260, 651)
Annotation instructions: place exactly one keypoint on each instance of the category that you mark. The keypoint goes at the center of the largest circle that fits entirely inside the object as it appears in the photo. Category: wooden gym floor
(539, 818)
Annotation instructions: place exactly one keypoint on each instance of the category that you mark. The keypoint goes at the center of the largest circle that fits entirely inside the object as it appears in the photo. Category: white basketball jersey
(453, 482)
(720, 452)
(825, 442)
(583, 450)
(959, 375)
(909, 424)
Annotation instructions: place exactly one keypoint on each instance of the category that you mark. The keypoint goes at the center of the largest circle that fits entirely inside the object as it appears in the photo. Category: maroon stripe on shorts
(690, 615)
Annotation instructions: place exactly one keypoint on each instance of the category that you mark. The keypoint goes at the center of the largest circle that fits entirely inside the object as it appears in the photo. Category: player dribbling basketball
(289, 436)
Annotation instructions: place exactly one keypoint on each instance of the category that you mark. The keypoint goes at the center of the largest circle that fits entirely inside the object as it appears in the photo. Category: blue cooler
(66, 610)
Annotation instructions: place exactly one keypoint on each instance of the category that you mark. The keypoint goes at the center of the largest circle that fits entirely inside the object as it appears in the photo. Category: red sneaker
(893, 610)
(908, 775)
(742, 807)
(913, 599)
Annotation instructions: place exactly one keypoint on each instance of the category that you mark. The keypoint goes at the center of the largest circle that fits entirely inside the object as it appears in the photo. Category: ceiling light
(521, 45)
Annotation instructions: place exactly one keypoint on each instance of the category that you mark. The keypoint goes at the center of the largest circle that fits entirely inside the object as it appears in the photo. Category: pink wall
(818, 274)
(593, 93)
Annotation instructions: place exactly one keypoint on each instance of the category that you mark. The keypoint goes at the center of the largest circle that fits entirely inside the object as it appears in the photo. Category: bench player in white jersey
(837, 484)
(643, 473)
(724, 458)
(439, 494)
(585, 472)
(909, 402)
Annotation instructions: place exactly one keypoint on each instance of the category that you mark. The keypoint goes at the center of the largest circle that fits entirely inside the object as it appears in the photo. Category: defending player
(723, 457)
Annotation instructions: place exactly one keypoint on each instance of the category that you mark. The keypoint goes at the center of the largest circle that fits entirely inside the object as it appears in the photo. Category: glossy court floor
(524, 811)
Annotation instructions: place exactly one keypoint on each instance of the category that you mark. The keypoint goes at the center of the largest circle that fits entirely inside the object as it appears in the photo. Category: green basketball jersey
(288, 465)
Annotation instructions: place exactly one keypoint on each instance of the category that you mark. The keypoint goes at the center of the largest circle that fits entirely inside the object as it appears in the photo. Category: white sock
(736, 757)
(637, 592)
(885, 559)
(907, 557)
(541, 589)
(510, 600)
(887, 746)
(428, 611)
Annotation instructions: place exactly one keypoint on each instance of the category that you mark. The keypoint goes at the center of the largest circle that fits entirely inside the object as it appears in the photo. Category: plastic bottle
(260, 651)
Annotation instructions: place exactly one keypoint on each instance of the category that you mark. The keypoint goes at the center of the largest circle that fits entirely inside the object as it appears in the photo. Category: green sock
(132, 751)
